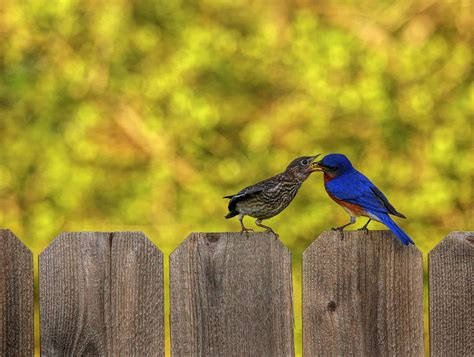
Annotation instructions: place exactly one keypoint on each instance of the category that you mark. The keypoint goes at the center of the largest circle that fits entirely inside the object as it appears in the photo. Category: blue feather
(354, 187)
(385, 219)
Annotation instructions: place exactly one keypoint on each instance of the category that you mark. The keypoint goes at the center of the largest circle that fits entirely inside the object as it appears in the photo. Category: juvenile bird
(269, 197)
(357, 194)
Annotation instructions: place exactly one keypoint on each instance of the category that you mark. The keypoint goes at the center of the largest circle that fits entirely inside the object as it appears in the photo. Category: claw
(246, 231)
(339, 229)
(272, 232)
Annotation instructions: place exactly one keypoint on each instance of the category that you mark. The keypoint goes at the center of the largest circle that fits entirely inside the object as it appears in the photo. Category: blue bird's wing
(357, 189)
(385, 202)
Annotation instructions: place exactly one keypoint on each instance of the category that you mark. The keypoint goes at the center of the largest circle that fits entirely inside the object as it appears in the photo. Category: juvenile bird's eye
(304, 162)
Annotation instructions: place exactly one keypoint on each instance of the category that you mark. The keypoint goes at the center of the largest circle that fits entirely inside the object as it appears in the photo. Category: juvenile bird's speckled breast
(270, 202)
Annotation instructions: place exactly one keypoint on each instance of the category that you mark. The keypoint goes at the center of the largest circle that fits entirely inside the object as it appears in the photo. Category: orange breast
(354, 209)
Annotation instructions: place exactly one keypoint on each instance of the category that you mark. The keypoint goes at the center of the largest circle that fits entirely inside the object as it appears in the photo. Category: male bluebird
(357, 195)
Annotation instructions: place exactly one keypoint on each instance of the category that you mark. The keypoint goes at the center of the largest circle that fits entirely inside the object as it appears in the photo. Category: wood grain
(362, 296)
(231, 295)
(101, 294)
(451, 268)
(16, 297)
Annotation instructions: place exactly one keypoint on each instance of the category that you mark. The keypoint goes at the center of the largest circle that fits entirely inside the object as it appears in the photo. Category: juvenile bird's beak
(314, 165)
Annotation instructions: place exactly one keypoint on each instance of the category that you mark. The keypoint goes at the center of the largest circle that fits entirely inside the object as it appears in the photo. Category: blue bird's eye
(304, 162)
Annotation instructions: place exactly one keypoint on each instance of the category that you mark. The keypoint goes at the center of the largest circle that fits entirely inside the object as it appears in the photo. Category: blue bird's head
(334, 164)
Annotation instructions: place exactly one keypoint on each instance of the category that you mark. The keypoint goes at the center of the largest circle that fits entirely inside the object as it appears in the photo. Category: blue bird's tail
(404, 238)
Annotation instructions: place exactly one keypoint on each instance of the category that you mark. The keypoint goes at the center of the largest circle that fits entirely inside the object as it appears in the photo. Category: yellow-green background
(141, 115)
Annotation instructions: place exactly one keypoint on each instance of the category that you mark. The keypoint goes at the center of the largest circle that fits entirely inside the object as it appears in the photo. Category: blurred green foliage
(141, 115)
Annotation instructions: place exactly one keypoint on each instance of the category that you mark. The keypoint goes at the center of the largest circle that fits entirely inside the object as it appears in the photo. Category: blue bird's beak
(314, 165)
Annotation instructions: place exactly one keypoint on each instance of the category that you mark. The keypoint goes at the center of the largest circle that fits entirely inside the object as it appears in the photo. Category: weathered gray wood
(231, 295)
(101, 294)
(451, 268)
(362, 296)
(16, 297)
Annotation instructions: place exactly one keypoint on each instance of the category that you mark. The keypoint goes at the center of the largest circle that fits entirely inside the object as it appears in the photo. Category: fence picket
(451, 291)
(362, 295)
(101, 294)
(231, 295)
(16, 297)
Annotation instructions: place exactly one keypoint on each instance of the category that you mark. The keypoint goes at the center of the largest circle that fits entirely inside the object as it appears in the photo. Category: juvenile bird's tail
(404, 238)
(231, 214)
(232, 211)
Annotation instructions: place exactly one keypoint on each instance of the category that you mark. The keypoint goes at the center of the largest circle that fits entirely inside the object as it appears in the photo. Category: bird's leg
(341, 228)
(364, 228)
(258, 222)
(244, 229)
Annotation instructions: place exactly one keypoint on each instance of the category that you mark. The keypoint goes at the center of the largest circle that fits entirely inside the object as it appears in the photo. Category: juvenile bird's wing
(250, 191)
(356, 188)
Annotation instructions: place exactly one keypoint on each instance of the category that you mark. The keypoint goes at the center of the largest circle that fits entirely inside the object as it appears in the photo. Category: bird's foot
(364, 229)
(272, 232)
(246, 231)
(339, 229)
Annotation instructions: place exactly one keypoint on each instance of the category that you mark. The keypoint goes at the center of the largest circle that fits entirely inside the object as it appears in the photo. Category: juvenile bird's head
(333, 164)
(302, 167)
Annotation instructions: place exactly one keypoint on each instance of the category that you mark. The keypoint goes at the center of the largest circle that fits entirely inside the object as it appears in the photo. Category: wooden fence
(102, 294)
